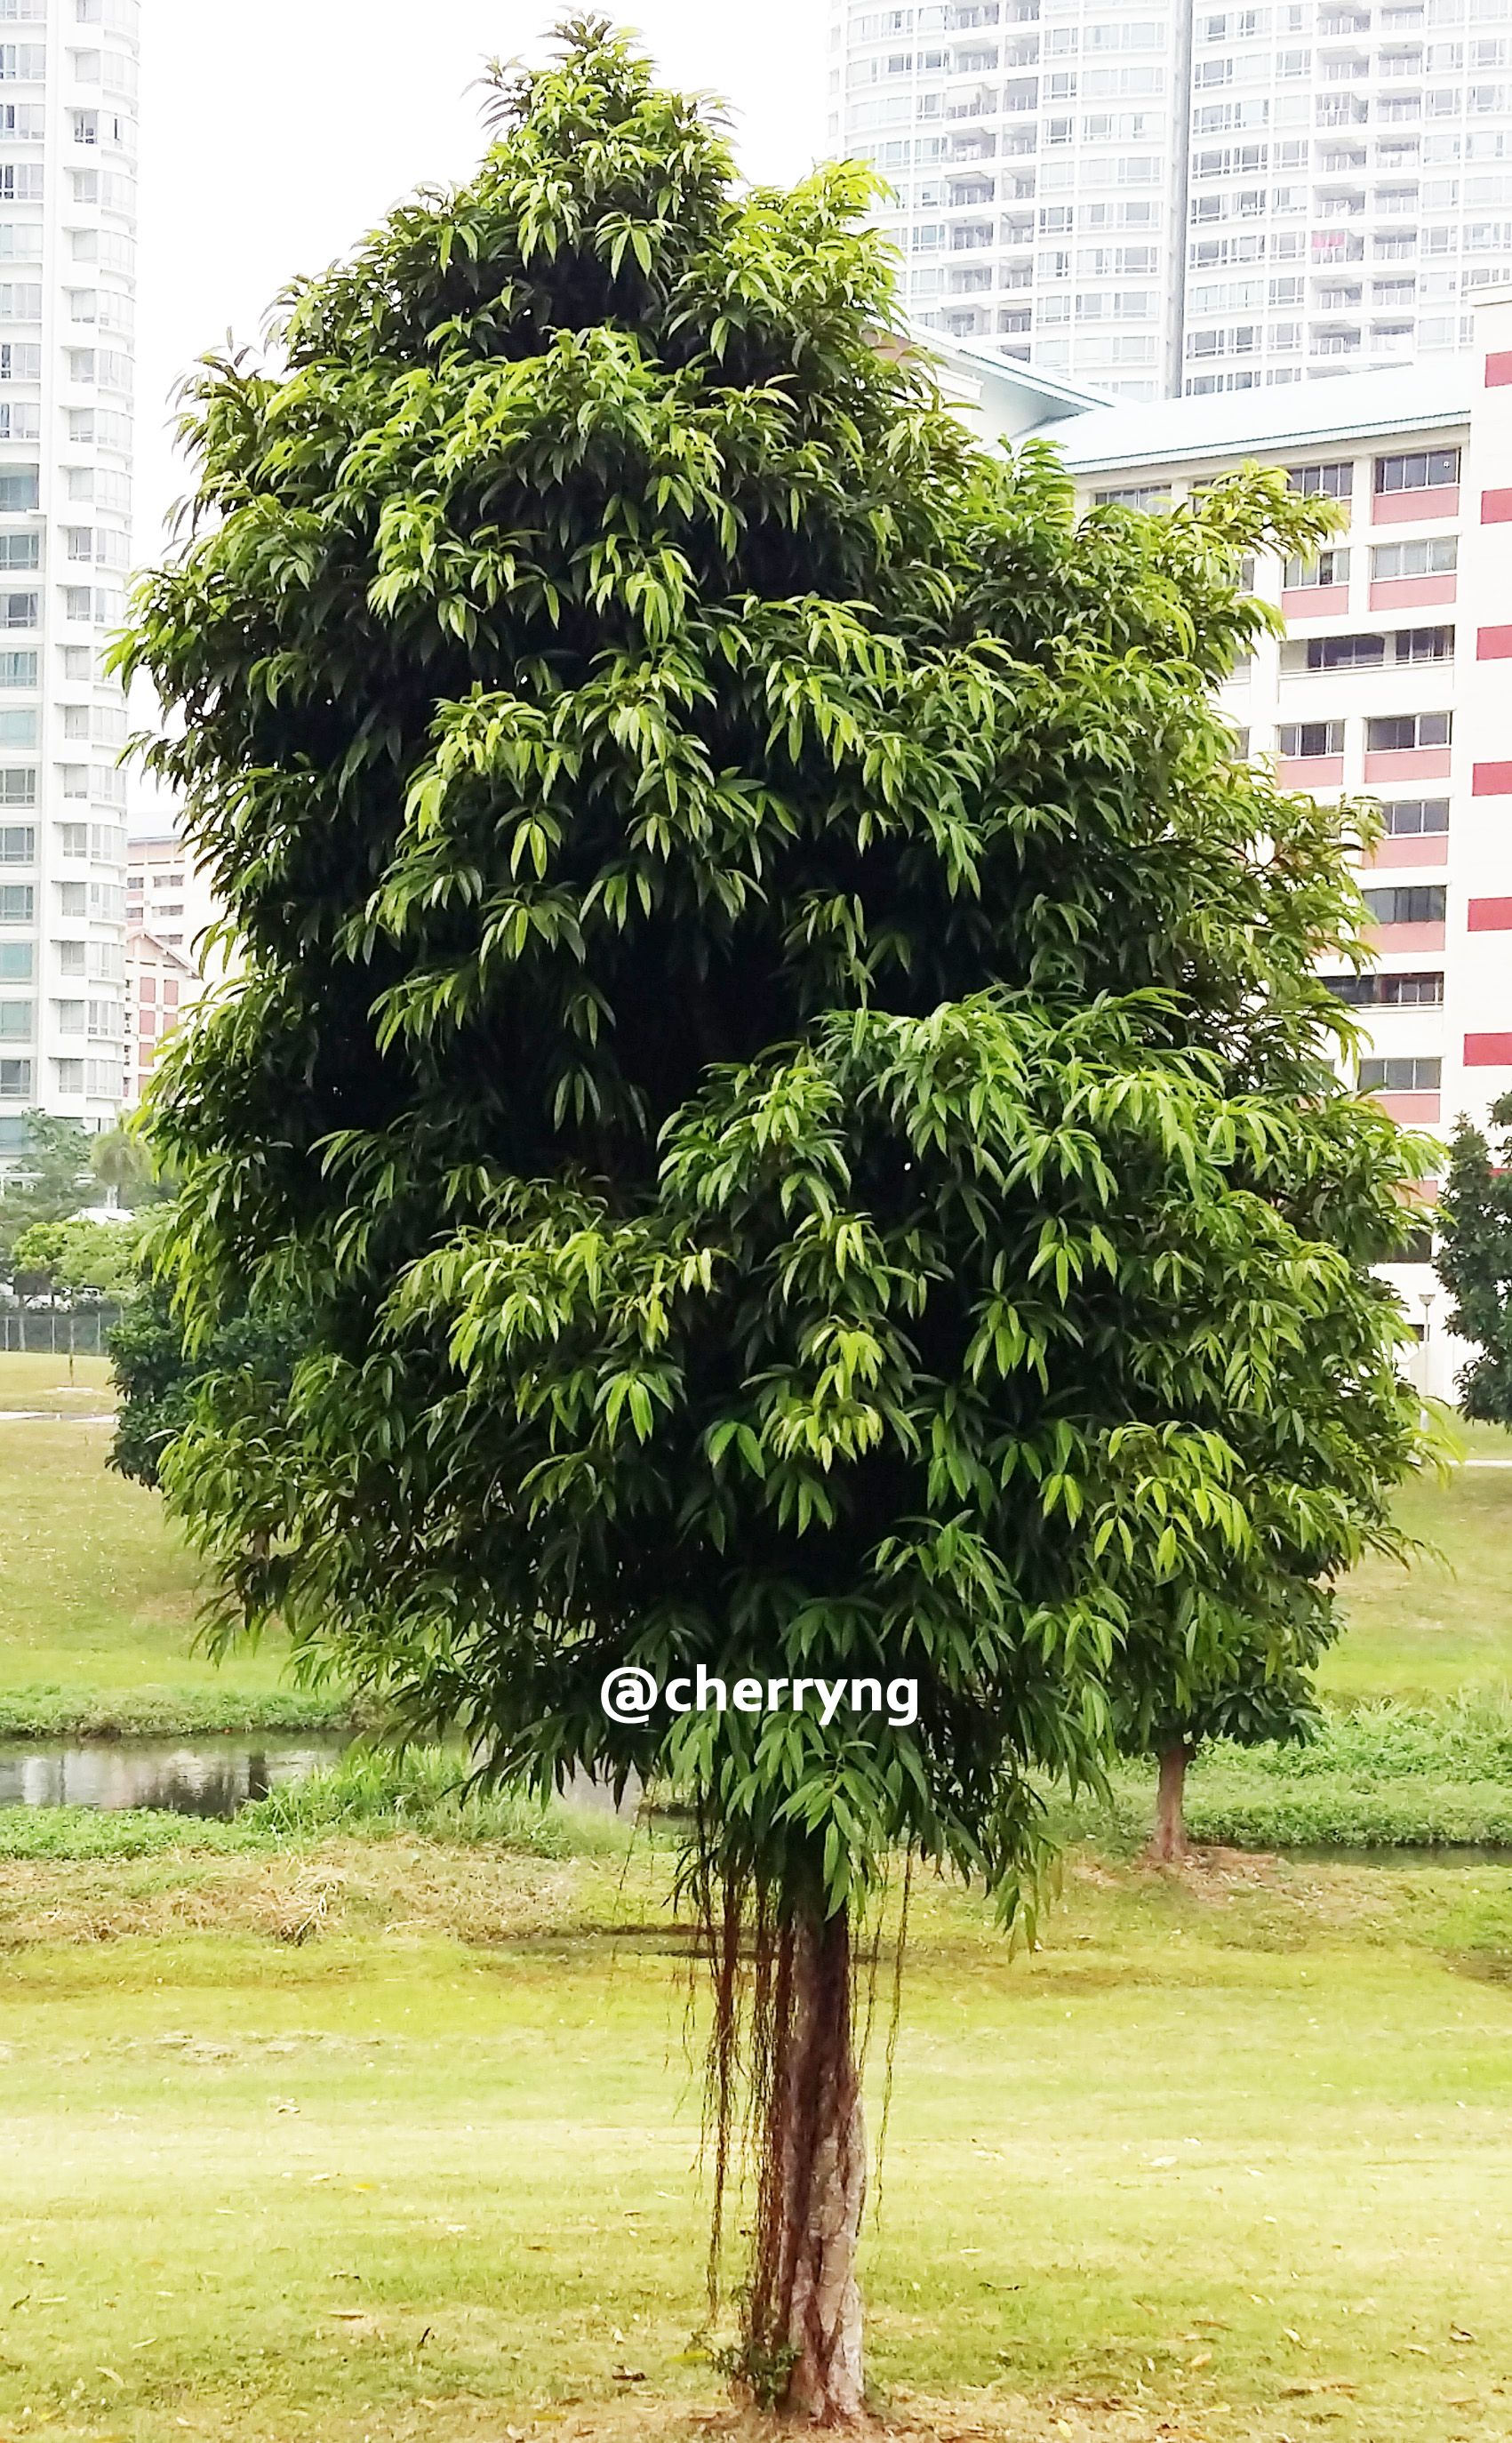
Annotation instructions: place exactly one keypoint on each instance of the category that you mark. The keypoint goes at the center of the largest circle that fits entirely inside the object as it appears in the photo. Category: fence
(57, 1332)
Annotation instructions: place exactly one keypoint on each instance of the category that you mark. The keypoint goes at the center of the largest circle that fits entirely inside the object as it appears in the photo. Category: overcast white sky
(275, 132)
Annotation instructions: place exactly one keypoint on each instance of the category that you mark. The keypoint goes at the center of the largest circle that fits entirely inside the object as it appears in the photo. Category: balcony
(1417, 849)
(1311, 772)
(1411, 1111)
(1407, 763)
(1407, 593)
(1313, 601)
(1440, 501)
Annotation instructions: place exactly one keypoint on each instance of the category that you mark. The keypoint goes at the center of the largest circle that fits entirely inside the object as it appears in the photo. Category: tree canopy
(1474, 1261)
(51, 1179)
(779, 1054)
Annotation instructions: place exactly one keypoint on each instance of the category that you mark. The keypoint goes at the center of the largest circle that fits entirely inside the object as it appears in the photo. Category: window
(15, 1021)
(1328, 568)
(1306, 739)
(1434, 555)
(18, 488)
(15, 1080)
(1138, 496)
(1421, 473)
(70, 1017)
(70, 960)
(1423, 645)
(18, 670)
(18, 903)
(1425, 991)
(16, 963)
(20, 360)
(1409, 818)
(18, 844)
(1411, 1076)
(1393, 733)
(20, 301)
(1335, 482)
(21, 183)
(18, 609)
(23, 62)
(1407, 903)
(1345, 652)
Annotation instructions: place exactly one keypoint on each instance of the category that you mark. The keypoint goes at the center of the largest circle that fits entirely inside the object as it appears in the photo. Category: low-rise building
(161, 985)
(1392, 679)
(169, 895)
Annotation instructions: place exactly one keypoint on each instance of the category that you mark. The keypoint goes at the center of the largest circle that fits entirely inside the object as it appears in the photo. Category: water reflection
(206, 1778)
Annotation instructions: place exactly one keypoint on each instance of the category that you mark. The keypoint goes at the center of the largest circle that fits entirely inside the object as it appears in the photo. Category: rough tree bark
(806, 2295)
(1168, 1846)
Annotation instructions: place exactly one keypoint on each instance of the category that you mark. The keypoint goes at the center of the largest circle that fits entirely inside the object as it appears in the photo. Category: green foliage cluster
(100, 1257)
(157, 1374)
(51, 1179)
(780, 1054)
(1474, 1261)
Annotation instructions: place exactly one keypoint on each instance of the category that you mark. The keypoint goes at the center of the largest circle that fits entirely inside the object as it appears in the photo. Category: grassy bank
(99, 1598)
(384, 2140)
(1445, 1624)
(1382, 1775)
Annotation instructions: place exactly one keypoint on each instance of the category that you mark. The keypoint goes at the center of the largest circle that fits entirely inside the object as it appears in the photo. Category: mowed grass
(1443, 1624)
(37, 1381)
(1227, 2159)
(99, 1597)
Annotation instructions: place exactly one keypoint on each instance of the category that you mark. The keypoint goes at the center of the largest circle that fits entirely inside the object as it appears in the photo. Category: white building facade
(1393, 681)
(68, 260)
(1151, 197)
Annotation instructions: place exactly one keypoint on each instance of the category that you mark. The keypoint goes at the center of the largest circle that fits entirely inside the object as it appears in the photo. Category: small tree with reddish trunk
(779, 1062)
(1266, 1696)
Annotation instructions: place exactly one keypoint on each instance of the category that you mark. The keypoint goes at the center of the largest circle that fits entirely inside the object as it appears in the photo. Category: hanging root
(782, 2101)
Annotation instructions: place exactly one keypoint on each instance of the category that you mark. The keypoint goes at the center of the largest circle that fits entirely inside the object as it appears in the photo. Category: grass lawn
(430, 2173)
(98, 1596)
(34, 1380)
(1441, 1625)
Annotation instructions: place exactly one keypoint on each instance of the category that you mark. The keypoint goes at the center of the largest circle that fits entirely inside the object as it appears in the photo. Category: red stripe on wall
(1491, 780)
(1496, 507)
(1493, 644)
(1490, 916)
(1488, 1051)
(1499, 369)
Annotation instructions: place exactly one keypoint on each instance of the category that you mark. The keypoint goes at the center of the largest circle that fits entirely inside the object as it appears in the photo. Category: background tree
(157, 1375)
(52, 1181)
(779, 1055)
(1262, 1692)
(120, 1162)
(98, 1259)
(1474, 1261)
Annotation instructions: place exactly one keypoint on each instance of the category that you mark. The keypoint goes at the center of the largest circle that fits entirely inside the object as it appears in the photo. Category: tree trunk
(806, 2299)
(1168, 1845)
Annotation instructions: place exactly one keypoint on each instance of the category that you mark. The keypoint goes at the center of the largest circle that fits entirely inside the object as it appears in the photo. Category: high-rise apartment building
(68, 247)
(1152, 197)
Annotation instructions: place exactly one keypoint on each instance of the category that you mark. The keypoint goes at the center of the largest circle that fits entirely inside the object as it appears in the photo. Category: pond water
(209, 1776)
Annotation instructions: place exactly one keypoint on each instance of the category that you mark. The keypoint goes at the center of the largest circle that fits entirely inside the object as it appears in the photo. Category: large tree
(779, 1055)
(1474, 1261)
